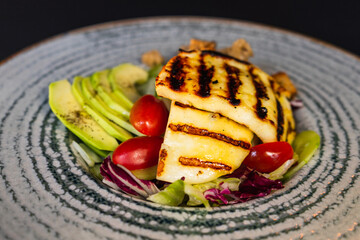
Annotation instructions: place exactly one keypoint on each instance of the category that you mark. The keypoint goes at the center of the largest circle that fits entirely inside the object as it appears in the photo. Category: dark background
(24, 22)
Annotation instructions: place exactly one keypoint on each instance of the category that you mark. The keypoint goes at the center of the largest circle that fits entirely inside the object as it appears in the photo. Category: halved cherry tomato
(149, 116)
(138, 153)
(267, 157)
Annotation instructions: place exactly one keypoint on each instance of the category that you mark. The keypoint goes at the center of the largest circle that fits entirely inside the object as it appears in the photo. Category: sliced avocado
(149, 86)
(117, 93)
(98, 104)
(99, 152)
(93, 96)
(112, 103)
(99, 81)
(100, 78)
(113, 129)
(110, 127)
(64, 105)
(77, 91)
(123, 79)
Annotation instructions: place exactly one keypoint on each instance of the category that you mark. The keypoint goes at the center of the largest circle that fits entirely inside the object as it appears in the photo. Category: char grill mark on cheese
(205, 76)
(260, 94)
(195, 162)
(233, 76)
(177, 74)
(206, 133)
(280, 120)
(221, 55)
(260, 110)
(162, 158)
(184, 105)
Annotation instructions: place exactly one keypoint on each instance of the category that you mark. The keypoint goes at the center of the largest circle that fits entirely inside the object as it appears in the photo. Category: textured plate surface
(44, 194)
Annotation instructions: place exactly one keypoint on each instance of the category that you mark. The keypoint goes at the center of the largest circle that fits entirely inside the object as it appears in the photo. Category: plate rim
(156, 20)
(178, 18)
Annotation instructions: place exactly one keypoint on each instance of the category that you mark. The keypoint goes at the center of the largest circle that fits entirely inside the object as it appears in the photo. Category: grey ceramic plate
(44, 194)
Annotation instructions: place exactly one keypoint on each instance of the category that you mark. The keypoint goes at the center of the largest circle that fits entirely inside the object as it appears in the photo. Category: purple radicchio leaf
(125, 180)
(224, 186)
(110, 178)
(255, 186)
(215, 195)
(218, 195)
(252, 186)
(148, 186)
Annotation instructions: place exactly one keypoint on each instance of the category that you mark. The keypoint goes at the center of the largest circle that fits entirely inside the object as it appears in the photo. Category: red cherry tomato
(138, 153)
(267, 157)
(149, 116)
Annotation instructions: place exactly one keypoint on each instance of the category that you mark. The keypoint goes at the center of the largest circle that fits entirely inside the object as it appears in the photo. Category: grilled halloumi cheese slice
(236, 89)
(285, 114)
(201, 146)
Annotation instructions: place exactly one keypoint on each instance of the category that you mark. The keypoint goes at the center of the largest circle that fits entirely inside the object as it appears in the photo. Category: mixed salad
(120, 123)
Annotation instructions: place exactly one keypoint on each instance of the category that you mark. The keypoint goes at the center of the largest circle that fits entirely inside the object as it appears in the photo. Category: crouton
(285, 83)
(152, 58)
(197, 44)
(240, 49)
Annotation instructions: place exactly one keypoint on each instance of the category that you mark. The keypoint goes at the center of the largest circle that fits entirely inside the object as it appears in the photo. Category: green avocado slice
(99, 81)
(123, 78)
(99, 105)
(109, 126)
(100, 78)
(69, 111)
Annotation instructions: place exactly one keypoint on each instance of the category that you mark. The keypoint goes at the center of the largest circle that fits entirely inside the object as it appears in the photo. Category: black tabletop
(24, 22)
